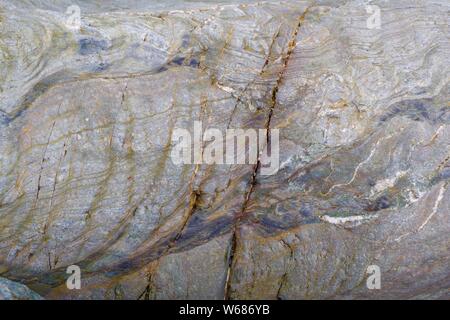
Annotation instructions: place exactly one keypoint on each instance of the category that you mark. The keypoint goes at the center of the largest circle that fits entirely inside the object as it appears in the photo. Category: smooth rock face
(86, 124)
(10, 290)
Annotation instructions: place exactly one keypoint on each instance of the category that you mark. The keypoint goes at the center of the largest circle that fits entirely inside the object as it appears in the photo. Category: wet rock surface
(86, 123)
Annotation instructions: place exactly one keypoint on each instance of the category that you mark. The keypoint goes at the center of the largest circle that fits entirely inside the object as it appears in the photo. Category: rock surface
(86, 124)
(10, 290)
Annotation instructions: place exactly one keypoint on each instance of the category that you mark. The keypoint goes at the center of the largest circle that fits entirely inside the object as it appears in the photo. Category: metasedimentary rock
(86, 123)
(10, 290)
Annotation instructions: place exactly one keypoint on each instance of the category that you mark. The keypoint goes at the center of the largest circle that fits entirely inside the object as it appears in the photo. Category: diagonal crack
(194, 201)
(273, 102)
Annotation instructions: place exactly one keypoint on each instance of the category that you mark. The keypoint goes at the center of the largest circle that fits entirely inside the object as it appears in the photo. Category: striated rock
(10, 290)
(87, 118)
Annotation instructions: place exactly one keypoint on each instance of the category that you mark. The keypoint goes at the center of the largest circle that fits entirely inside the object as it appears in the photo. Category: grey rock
(10, 290)
(86, 124)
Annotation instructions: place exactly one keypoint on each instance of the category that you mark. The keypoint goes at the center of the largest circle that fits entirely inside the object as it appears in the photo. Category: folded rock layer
(87, 120)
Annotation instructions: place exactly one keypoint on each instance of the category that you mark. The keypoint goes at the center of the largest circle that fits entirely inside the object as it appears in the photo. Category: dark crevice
(194, 202)
(283, 278)
(234, 239)
(273, 102)
(263, 68)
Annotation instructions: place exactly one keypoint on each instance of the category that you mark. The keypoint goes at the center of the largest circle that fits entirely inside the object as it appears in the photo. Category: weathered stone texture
(86, 124)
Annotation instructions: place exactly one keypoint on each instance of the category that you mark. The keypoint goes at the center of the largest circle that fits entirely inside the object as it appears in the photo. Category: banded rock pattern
(86, 124)
(10, 290)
